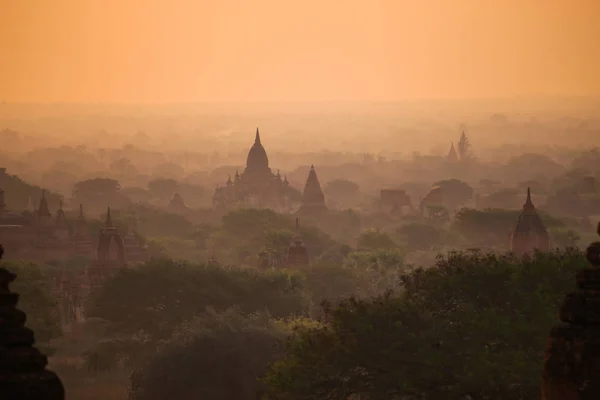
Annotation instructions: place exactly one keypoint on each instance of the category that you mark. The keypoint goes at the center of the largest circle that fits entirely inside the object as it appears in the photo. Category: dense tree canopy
(246, 232)
(473, 326)
(161, 294)
(217, 356)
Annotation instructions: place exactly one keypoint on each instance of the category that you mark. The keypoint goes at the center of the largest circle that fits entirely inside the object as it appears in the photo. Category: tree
(455, 192)
(562, 237)
(420, 236)
(145, 305)
(169, 170)
(473, 326)
(163, 188)
(18, 193)
(217, 355)
(123, 167)
(97, 187)
(464, 146)
(243, 235)
(375, 239)
(341, 188)
(380, 269)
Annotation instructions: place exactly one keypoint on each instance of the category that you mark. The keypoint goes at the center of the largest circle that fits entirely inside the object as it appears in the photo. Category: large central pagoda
(257, 185)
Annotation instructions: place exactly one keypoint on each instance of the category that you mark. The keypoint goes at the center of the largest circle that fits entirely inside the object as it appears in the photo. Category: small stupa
(452, 154)
(297, 253)
(23, 373)
(529, 233)
(177, 205)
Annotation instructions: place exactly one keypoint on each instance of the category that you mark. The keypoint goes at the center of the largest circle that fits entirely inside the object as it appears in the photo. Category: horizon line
(332, 101)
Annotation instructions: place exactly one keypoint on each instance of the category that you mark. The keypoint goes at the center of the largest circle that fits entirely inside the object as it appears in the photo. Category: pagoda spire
(257, 137)
(528, 206)
(312, 195)
(81, 215)
(60, 214)
(43, 210)
(297, 252)
(108, 222)
(452, 154)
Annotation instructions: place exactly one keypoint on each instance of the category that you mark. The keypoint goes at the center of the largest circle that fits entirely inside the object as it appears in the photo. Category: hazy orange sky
(272, 50)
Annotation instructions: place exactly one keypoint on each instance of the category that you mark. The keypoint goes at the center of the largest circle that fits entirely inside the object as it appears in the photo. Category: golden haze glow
(272, 50)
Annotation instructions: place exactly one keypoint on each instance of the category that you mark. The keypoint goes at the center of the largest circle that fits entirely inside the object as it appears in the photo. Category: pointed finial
(257, 138)
(528, 203)
(43, 193)
(108, 222)
(80, 211)
(312, 166)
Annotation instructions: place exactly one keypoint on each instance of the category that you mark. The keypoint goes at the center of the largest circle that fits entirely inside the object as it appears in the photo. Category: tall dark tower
(23, 373)
(529, 233)
(313, 199)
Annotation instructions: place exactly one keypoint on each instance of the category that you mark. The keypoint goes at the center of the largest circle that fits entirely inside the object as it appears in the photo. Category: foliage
(37, 302)
(276, 243)
(562, 237)
(437, 214)
(492, 227)
(455, 190)
(333, 283)
(163, 187)
(244, 233)
(334, 255)
(419, 236)
(374, 239)
(463, 147)
(96, 187)
(217, 355)
(343, 225)
(123, 166)
(154, 222)
(17, 193)
(162, 294)
(341, 188)
(474, 326)
(180, 249)
(379, 269)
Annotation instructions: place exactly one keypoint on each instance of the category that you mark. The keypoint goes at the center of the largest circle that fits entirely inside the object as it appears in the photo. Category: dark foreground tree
(216, 356)
(473, 326)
